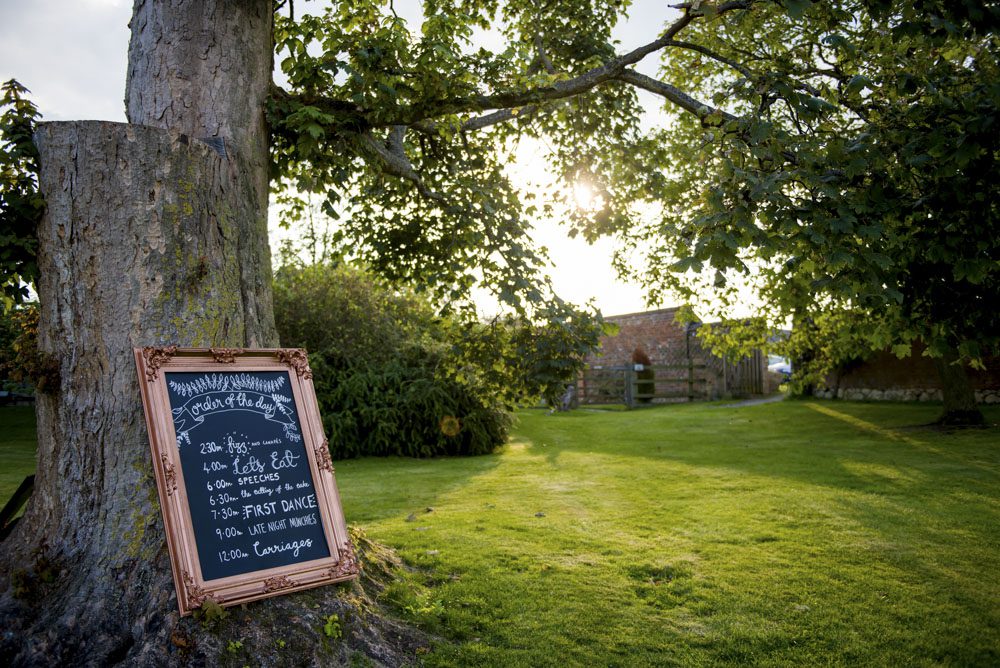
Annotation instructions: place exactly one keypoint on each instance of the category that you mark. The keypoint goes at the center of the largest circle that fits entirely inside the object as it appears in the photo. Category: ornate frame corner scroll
(296, 359)
(169, 474)
(197, 596)
(155, 358)
(323, 459)
(348, 566)
(154, 364)
(279, 582)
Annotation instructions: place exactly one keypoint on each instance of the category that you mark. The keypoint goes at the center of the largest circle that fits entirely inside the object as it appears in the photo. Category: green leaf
(685, 264)
(797, 8)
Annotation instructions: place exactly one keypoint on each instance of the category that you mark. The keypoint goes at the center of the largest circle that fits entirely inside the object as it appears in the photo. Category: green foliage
(403, 408)
(384, 371)
(21, 205)
(850, 170)
(828, 156)
(21, 362)
(210, 615)
(331, 627)
(537, 358)
(385, 120)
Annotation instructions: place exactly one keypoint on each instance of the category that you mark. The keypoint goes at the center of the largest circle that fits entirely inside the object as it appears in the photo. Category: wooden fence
(690, 379)
(623, 385)
(745, 377)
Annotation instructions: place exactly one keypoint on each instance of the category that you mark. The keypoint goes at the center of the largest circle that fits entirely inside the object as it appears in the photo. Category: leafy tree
(547, 355)
(846, 167)
(21, 205)
(843, 147)
(815, 147)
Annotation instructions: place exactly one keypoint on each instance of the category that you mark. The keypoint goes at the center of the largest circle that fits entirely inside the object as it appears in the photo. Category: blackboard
(243, 474)
(250, 491)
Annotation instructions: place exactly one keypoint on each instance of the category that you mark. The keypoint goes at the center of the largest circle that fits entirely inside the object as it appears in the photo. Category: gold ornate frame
(192, 589)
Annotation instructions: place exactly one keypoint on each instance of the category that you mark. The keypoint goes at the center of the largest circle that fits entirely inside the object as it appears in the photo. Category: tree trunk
(204, 69)
(803, 325)
(960, 407)
(154, 234)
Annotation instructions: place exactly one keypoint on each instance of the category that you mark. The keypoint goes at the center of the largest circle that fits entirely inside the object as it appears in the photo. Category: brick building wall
(883, 376)
(668, 342)
(657, 332)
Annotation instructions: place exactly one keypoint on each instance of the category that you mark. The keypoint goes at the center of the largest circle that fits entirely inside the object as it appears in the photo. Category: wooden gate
(625, 384)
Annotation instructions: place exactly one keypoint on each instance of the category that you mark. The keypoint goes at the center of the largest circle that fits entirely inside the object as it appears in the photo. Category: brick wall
(666, 342)
(914, 378)
(656, 332)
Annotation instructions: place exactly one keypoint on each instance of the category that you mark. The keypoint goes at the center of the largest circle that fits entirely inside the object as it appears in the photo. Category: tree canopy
(848, 166)
(839, 155)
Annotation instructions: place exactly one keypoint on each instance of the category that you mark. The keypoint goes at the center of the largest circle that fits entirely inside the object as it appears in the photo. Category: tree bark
(203, 69)
(154, 234)
(960, 408)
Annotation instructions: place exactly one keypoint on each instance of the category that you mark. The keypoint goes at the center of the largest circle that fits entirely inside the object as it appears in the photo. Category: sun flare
(585, 197)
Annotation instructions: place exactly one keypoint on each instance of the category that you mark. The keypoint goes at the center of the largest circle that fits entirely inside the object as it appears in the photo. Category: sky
(72, 55)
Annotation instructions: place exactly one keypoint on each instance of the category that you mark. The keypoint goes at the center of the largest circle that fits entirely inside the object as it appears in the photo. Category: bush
(23, 368)
(383, 367)
(645, 379)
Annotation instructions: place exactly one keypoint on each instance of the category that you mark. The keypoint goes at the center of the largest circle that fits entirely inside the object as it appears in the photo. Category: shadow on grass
(402, 485)
(895, 496)
(822, 442)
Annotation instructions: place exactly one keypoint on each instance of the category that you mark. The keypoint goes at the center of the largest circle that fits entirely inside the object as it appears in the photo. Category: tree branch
(739, 67)
(673, 94)
(515, 103)
(394, 162)
(570, 87)
(543, 58)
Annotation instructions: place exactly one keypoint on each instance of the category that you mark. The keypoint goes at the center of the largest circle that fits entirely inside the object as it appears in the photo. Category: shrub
(383, 367)
(23, 367)
(646, 383)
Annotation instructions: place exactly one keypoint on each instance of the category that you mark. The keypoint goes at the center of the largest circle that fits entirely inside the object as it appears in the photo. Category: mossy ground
(798, 533)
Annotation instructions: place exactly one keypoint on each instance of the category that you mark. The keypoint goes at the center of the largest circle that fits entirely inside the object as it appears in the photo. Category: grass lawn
(829, 533)
(820, 533)
(17, 448)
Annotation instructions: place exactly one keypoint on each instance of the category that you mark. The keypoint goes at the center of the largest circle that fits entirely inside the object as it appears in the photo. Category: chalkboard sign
(243, 472)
